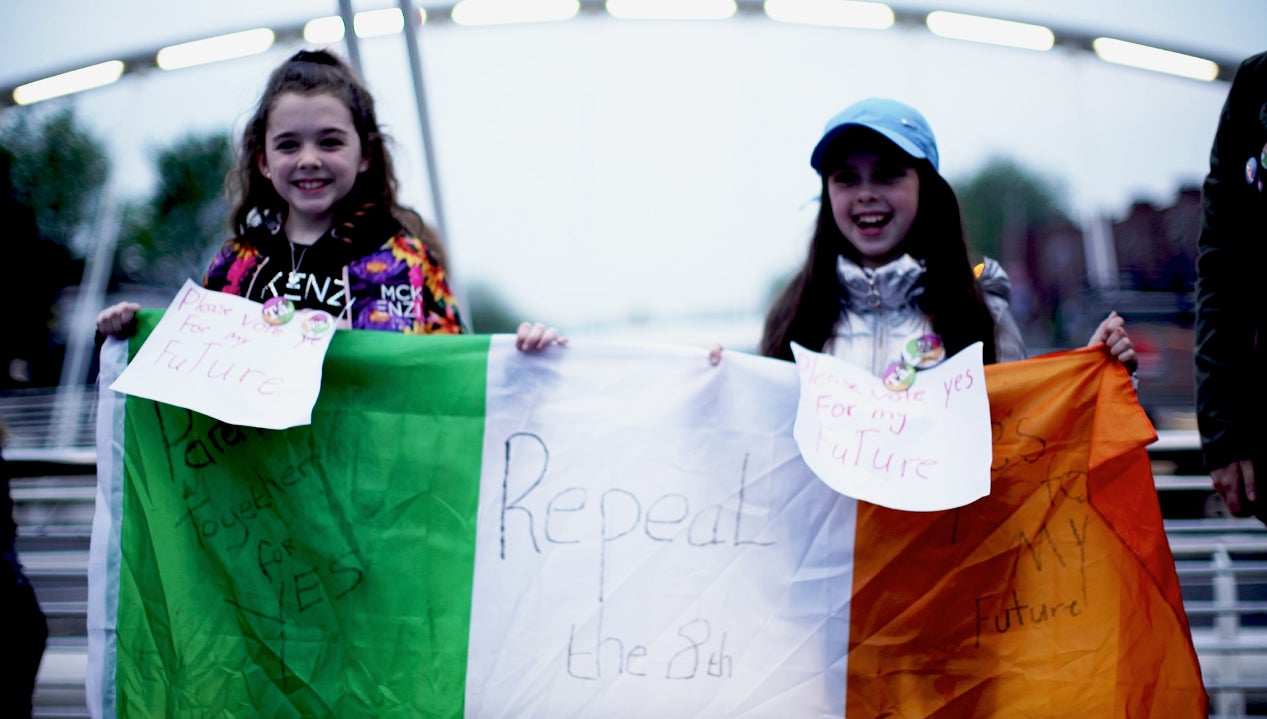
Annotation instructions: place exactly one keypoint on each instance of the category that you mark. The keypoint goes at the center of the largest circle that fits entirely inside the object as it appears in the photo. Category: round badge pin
(316, 323)
(1251, 170)
(924, 351)
(899, 376)
(278, 310)
(1262, 156)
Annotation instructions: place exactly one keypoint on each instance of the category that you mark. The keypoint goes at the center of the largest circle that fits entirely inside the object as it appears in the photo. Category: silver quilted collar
(893, 286)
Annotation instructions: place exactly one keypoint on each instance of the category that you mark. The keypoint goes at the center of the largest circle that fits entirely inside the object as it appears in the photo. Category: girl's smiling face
(312, 156)
(874, 198)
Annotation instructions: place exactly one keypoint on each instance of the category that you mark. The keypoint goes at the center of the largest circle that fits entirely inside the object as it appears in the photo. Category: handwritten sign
(924, 448)
(215, 353)
(657, 550)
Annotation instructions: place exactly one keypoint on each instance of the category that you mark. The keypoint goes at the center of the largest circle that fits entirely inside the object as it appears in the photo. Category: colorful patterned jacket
(400, 287)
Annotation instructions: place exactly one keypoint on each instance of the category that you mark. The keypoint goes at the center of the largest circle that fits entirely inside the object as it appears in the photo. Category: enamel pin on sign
(924, 351)
(316, 323)
(920, 353)
(278, 311)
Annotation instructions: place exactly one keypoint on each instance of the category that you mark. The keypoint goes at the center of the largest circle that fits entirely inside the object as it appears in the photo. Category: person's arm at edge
(1223, 329)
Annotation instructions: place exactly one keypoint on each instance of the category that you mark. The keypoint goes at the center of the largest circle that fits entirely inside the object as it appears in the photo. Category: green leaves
(1004, 200)
(58, 169)
(171, 235)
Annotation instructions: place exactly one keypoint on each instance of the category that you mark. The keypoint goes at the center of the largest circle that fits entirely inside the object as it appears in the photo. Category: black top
(1231, 356)
(8, 527)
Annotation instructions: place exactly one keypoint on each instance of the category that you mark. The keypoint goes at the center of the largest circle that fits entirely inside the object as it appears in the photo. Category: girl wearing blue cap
(888, 266)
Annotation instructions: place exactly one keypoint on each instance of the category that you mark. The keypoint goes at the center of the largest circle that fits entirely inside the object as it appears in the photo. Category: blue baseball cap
(899, 123)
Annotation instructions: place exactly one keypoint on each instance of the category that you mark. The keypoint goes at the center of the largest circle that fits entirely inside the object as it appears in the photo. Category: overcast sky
(596, 171)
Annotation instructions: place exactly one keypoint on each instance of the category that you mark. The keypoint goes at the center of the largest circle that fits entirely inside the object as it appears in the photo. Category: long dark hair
(808, 308)
(365, 214)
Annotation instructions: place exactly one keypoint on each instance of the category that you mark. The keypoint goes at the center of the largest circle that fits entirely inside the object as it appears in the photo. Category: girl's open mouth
(872, 220)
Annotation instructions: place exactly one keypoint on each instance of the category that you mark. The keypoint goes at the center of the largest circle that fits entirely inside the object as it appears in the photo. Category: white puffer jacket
(880, 315)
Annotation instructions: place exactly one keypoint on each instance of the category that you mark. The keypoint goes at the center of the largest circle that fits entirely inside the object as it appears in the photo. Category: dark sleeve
(8, 527)
(1227, 258)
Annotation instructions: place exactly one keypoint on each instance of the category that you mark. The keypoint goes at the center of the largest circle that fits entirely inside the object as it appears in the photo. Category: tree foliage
(489, 313)
(58, 169)
(52, 173)
(171, 235)
(1004, 199)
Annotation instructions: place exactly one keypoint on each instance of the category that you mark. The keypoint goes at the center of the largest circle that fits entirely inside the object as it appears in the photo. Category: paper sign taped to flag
(922, 448)
(222, 356)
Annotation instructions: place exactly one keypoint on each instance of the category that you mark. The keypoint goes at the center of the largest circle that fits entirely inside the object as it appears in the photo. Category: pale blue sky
(597, 170)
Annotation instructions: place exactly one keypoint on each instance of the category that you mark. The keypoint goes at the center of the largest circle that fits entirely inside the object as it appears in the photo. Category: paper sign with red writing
(219, 355)
(922, 448)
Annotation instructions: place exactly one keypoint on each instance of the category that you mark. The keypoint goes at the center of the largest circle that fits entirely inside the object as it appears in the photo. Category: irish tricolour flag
(620, 531)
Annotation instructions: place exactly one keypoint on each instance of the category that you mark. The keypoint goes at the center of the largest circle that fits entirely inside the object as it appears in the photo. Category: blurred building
(1157, 254)
(1143, 265)
(1052, 305)
(1157, 246)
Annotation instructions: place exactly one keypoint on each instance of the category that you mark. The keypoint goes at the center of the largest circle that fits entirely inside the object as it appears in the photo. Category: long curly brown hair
(365, 215)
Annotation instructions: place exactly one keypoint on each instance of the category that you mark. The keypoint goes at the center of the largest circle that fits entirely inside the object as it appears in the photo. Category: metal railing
(59, 417)
(1221, 562)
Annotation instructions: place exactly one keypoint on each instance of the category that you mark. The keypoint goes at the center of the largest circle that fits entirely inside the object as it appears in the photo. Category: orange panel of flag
(1056, 595)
